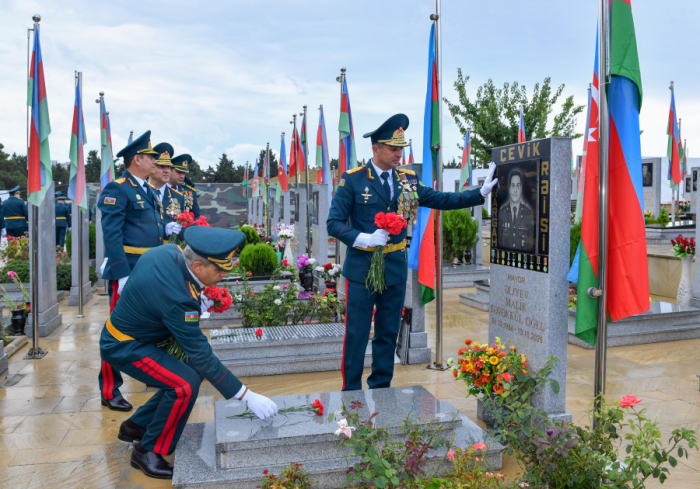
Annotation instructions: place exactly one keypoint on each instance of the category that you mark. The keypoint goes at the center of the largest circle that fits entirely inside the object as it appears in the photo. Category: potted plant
(330, 273)
(306, 275)
(19, 311)
(460, 234)
(685, 249)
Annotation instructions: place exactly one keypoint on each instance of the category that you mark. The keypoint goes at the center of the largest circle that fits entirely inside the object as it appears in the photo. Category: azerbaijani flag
(348, 156)
(403, 156)
(465, 174)
(322, 161)
(628, 279)
(589, 133)
(410, 153)
(255, 180)
(674, 141)
(40, 176)
(301, 144)
(131, 137)
(422, 255)
(76, 187)
(107, 166)
(282, 185)
(293, 156)
(245, 181)
(521, 128)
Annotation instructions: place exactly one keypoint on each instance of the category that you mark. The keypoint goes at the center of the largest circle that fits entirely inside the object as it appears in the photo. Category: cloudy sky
(226, 76)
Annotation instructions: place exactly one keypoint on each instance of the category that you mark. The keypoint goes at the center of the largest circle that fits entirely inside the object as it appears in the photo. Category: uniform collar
(194, 286)
(138, 180)
(380, 171)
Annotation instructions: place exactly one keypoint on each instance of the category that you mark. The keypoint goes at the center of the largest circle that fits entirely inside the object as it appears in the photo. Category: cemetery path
(54, 433)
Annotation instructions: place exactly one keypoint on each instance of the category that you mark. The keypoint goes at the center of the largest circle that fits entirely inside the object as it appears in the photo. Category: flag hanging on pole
(245, 181)
(301, 143)
(674, 142)
(410, 153)
(40, 176)
(348, 155)
(282, 184)
(403, 156)
(255, 180)
(293, 156)
(465, 172)
(627, 289)
(131, 137)
(107, 161)
(590, 144)
(521, 128)
(322, 161)
(266, 181)
(421, 256)
(76, 186)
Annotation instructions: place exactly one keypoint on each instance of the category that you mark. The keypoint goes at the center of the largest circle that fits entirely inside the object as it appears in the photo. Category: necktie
(385, 184)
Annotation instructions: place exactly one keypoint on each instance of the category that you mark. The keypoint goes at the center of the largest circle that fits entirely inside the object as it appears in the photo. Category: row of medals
(519, 260)
(174, 207)
(408, 204)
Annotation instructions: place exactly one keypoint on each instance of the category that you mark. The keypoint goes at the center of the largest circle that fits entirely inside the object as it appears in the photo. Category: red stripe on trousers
(107, 381)
(115, 295)
(184, 392)
(342, 362)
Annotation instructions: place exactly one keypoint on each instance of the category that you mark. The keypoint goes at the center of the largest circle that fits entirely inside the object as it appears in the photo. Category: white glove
(488, 185)
(379, 238)
(173, 227)
(206, 303)
(261, 406)
(122, 283)
(104, 265)
(68, 229)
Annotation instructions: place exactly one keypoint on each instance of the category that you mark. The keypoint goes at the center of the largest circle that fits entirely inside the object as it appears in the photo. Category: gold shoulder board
(120, 180)
(175, 191)
(407, 171)
(354, 170)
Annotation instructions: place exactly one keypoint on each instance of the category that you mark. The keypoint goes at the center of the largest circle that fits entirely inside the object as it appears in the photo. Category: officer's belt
(132, 250)
(116, 333)
(15, 217)
(60, 218)
(388, 248)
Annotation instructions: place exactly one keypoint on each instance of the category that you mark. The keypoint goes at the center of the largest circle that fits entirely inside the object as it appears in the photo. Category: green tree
(196, 174)
(273, 164)
(495, 114)
(93, 167)
(452, 164)
(13, 170)
(61, 177)
(223, 173)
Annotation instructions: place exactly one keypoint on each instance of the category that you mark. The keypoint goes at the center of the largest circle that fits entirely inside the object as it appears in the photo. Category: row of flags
(677, 159)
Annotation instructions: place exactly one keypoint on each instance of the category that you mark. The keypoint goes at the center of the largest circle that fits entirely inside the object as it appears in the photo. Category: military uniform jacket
(161, 299)
(190, 192)
(15, 213)
(63, 215)
(516, 233)
(170, 196)
(2, 216)
(131, 224)
(360, 197)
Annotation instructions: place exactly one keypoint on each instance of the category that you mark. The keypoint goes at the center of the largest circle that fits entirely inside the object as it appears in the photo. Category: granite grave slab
(463, 275)
(480, 298)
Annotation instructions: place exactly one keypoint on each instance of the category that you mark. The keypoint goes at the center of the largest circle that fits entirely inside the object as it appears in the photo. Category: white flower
(449, 361)
(312, 261)
(331, 272)
(344, 429)
(278, 302)
(276, 287)
(238, 297)
(318, 269)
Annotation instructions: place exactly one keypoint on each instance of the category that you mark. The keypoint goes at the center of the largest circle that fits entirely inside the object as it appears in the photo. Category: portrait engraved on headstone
(517, 206)
(695, 181)
(647, 174)
(314, 210)
(296, 207)
(687, 185)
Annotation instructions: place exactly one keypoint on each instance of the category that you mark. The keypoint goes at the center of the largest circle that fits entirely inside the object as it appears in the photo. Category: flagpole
(670, 163)
(680, 170)
(601, 344)
(341, 79)
(79, 81)
(268, 220)
(308, 192)
(438, 364)
(35, 352)
(247, 191)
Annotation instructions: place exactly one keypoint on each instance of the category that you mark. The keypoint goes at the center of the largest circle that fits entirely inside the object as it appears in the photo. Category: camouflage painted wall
(223, 204)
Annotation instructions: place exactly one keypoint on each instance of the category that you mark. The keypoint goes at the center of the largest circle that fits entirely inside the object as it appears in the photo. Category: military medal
(366, 195)
(174, 208)
(188, 200)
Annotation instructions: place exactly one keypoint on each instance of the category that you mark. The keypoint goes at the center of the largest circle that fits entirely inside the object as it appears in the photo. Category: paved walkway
(54, 433)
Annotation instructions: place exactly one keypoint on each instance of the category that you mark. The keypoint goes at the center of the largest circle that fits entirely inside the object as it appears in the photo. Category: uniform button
(388, 208)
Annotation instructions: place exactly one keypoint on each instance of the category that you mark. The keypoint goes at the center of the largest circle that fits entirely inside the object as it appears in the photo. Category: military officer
(173, 201)
(63, 217)
(516, 219)
(163, 298)
(132, 223)
(179, 180)
(381, 186)
(3, 232)
(15, 213)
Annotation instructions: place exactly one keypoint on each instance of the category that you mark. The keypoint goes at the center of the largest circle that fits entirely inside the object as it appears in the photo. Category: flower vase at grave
(288, 251)
(685, 288)
(306, 279)
(331, 288)
(18, 321)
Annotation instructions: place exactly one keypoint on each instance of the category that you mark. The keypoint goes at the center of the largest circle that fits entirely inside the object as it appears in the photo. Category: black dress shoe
(152, 464)
(117, 404)
(130, 431)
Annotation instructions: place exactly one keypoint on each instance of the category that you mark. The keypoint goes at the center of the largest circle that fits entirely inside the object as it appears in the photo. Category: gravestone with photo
(651, 184)
(319, 232)
(694, 190)
(249, 215)
(530, 221)
(300, 220)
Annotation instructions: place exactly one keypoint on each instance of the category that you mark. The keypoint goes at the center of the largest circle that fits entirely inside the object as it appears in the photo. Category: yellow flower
(498, 340)
(494, 360)
(524, 372)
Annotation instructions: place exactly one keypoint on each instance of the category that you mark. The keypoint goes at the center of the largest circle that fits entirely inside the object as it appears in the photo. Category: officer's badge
(138, 197)
(191, 317)
(342, 182)
(110, 200)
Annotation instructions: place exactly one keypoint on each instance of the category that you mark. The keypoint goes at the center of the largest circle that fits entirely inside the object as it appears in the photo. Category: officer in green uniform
(516, 218)
(63, 217)
(16, 216)
(381, 186)
(180, 182)
(163, 299)
(173, 201)
(132, 223)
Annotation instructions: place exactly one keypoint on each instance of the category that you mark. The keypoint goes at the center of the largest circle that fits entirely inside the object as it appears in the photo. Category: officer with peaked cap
(180, 182)
(173, 201)
(163, 299)
(63, 219)
(16, 215)
(132, 223)
(381, 186)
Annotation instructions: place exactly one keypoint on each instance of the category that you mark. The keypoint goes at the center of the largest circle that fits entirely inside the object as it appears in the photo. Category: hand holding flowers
(394, 225)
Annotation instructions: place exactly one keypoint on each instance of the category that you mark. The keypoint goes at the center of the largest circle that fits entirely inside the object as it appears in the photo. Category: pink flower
(11, 275)
(629, 401)
(450, 454)
(479, 446)
(236, 281)
(344, 429)
(489, 474)
(258, 332)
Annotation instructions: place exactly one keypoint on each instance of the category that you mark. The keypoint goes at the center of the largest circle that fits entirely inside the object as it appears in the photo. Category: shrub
(459, 232)
(574, 238)
(663, 218)
(16, 249)
(484, 213)
(20, 267)
(63, 276)
(93, 242)
(260, 259)
(251, 235)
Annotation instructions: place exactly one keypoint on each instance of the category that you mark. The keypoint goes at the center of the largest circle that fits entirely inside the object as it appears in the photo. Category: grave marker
(651, 184)
(77, 283)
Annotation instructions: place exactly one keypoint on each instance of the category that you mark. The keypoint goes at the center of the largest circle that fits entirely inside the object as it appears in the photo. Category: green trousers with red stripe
(360, 304)
(165, 414)
(110, 379)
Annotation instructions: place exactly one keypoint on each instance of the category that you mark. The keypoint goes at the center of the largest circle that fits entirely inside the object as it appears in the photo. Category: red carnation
(185, 219)
(221, 297)
(318, 407)
(202, 221)
(258, 332)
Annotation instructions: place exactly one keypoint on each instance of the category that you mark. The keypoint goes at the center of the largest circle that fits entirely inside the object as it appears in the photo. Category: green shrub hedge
(261, 259)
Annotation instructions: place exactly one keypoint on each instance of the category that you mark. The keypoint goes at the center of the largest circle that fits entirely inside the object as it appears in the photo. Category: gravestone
(319, 215)
(249, 215)
(530, 257)
(694, 189)
(300, 220)
(651, 184)
(477, 255)
(687, 186)
(77, 283)
(695, 301)
(280, 210)
(99, 246)
(233, 451)
(414, 348)
(49, 316)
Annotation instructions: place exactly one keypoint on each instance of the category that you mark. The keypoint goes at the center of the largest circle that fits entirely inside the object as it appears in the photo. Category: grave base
(663, 322)
(73, 297)
(565, 416)
(48, 322)
(480, 299)
(463, 275)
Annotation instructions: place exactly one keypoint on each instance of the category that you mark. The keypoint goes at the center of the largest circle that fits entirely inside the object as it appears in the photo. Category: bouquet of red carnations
(394, 224)
(683, 246)
(184, 219)
(221, 297)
